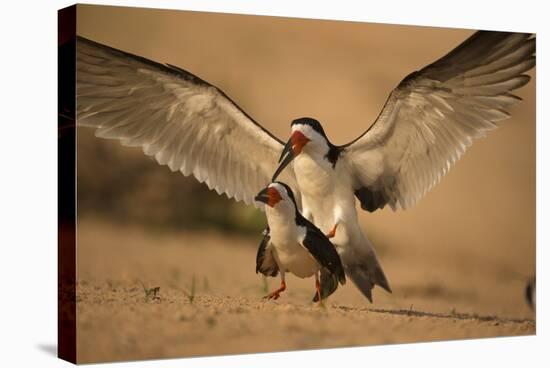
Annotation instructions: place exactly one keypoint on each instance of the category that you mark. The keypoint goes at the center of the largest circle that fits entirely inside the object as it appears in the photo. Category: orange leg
(332, 232)
(276, 294)
(318, 288)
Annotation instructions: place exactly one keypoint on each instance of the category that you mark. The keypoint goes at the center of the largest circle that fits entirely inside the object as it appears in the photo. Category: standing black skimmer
(425, 126)
(293, 244)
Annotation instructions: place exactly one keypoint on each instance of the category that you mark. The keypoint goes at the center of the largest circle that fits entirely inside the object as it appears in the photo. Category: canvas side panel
(66, 319)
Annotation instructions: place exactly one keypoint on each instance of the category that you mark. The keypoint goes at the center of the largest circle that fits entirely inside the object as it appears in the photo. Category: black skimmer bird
(427, 123)
(293, 244)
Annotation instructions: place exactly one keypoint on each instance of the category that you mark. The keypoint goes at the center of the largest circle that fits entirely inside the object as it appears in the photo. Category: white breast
(327, 194)
(316, 177)
(289, 254)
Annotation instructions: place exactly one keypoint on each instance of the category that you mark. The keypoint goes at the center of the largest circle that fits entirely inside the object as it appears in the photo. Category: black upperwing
(265, 262)
(324, 252)
(322, 249)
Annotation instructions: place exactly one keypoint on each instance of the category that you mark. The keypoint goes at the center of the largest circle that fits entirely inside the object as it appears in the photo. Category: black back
(317, 243)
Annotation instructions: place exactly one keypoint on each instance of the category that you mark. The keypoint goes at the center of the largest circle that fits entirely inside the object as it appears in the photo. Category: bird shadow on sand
(453, 315)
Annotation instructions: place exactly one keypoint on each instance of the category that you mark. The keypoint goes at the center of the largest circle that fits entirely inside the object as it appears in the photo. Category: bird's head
(277, 195)
(307, 136)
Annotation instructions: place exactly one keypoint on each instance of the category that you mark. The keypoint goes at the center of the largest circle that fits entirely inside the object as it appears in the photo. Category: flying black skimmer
(425, 126)
(293, 244)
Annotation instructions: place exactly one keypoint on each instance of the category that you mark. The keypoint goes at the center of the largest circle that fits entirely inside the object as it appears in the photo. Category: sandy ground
(209, 299)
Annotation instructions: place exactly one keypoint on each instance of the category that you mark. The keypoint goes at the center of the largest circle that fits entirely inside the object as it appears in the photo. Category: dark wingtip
(342, 277)
(384, 285)
(369, 296)
(363, 283)
(329, 284)
(381, 280)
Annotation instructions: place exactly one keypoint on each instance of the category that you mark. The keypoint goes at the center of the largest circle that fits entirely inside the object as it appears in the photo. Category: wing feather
(434, 115)
(176, 117)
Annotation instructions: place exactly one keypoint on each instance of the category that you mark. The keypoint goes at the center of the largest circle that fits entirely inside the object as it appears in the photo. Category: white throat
(317, 147)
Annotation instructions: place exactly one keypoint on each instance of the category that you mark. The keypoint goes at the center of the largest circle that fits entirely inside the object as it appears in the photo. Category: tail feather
(362, 281)
(365, 272)
(380, 279)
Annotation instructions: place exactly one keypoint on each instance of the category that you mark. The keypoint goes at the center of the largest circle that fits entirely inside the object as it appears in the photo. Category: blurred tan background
(469, 245)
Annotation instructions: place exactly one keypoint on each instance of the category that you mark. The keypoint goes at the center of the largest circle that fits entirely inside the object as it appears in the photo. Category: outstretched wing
(434, 114)
(181, 120)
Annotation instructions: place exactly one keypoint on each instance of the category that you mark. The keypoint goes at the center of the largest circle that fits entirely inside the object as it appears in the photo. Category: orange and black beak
(263, 196)
(269, 196)
(292, 149)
